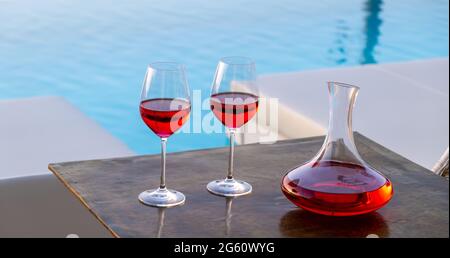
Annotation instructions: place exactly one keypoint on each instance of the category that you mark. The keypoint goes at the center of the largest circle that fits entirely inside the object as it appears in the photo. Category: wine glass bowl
(164, 108)
(234, 101)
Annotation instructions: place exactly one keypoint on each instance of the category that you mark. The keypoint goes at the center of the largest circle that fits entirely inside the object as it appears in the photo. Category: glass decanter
(337, 181)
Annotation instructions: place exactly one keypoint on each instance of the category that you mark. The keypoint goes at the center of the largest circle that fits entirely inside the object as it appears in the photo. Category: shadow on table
(303, 223)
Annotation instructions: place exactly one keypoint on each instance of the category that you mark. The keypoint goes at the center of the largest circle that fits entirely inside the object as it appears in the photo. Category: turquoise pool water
(94, 53)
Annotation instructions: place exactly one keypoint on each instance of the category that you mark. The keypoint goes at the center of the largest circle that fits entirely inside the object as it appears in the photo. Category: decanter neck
(339, 144)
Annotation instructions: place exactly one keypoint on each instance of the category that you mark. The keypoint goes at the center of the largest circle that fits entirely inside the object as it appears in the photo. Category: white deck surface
(37, 131)
(403, 106)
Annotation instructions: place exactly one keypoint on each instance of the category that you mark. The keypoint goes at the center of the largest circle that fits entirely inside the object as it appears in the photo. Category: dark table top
(109, 189)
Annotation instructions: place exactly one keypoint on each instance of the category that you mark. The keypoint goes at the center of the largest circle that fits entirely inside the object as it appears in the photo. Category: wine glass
(234, 101)
(165, 107)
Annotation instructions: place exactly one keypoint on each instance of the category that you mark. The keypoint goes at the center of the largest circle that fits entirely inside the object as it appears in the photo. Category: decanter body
(337, 181)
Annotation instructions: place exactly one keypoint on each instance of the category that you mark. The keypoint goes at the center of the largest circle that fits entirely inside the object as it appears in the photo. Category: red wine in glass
(234, 101)
(164, 116)
(234, 109)
(164, 108)
(336, 188)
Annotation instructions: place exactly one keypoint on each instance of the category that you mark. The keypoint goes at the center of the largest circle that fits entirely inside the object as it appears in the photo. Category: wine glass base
(162, 197)
(229, 187)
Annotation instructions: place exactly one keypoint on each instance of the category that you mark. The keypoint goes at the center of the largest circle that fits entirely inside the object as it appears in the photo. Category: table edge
(83, 202)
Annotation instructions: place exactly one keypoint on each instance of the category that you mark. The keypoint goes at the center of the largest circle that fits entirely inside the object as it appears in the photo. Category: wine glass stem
(231, 158)
(163, 163)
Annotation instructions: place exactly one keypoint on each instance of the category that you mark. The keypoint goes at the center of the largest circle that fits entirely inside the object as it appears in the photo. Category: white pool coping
(40, 130)
(403, 106)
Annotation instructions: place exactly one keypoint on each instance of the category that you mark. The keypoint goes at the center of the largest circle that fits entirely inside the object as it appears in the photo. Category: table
(109, 189)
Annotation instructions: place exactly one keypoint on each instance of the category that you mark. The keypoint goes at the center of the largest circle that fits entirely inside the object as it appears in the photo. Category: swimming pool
(94, 53)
